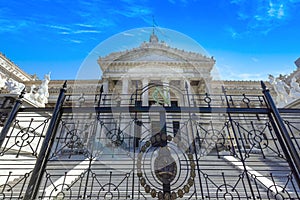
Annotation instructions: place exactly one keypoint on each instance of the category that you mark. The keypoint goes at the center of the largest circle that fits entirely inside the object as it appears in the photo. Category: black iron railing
(204, 147)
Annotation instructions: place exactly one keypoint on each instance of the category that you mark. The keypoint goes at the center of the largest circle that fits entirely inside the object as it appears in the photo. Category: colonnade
(127, 87)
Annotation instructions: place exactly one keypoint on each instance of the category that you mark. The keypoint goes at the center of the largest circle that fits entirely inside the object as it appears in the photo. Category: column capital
(145, 80)
(166, 80)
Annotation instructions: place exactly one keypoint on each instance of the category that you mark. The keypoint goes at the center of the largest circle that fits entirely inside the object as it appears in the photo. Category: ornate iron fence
(208, 147)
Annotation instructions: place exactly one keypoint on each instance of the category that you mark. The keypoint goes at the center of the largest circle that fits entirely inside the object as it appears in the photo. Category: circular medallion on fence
(166, 168)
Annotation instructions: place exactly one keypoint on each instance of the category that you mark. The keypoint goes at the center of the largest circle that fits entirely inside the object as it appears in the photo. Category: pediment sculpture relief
(285, 93)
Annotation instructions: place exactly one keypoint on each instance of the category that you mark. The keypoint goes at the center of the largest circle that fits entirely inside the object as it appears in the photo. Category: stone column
(145, 102)
(105, 86)
(124, 101)
(187, 92)
(145, 96)
(125, 85)
(167, 91)
(124, 95)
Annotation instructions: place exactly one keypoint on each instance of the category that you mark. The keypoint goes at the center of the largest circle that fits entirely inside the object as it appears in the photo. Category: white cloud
(254, 59)
(242, 16)
(64, 33)
(263, 16)
(128, 34)
(75, 41)
(226, 72)
(281, 11)
(85, 25)
(133, 11)
(184, 2)
(87, 31)
(249, 71)
(236, 1)
(63, 28)
(276, 10)
(13, 25)
(249, 76)
(294, 1)
(243, 76)
(233, 33)
(91, 17)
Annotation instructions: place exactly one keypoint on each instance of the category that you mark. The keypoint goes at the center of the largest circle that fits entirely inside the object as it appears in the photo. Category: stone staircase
(111, 175)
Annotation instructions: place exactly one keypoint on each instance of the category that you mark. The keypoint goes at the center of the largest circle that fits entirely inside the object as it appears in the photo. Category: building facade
(156, 126)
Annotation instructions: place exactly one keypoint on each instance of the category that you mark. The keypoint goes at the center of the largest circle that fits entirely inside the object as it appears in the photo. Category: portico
(155, 61)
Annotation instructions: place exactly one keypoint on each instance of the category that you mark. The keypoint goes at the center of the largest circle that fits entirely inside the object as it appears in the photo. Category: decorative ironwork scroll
(204, 146)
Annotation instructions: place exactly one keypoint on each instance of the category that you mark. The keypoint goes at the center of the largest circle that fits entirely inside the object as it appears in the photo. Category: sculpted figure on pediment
(2, 81)
(295, 89)
(39, 95)
(42, 93)
(14, 87)
(280, 88)
(80, 100)
(31, 95)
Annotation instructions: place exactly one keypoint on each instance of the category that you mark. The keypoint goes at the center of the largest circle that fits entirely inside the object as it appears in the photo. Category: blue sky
(248, 38)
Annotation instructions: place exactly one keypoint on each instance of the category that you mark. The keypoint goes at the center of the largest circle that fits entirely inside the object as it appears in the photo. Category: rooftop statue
(295, 89)
(2, 81)
(280, 88)
(42, 92)
(14, 87)
(39, 96)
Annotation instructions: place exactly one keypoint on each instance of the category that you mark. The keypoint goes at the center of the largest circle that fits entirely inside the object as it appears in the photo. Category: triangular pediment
(10, 70)
(156, 55)
(154, 52)
(157, 58)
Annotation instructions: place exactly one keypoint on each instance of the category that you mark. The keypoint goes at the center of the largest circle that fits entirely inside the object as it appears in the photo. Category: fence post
(11, 117)
(283, 136)
(41, 162)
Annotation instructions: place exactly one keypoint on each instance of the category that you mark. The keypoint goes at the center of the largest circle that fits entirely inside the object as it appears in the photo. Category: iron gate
(210, 147)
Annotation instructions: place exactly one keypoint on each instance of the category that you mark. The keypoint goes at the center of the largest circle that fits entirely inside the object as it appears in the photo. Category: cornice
(12, 70)
(115, 58)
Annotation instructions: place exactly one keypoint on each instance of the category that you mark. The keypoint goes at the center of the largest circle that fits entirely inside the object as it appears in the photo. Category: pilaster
(145, 95)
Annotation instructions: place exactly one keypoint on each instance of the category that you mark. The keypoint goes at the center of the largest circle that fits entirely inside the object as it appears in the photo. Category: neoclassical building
(152, 62)
(157, 125)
